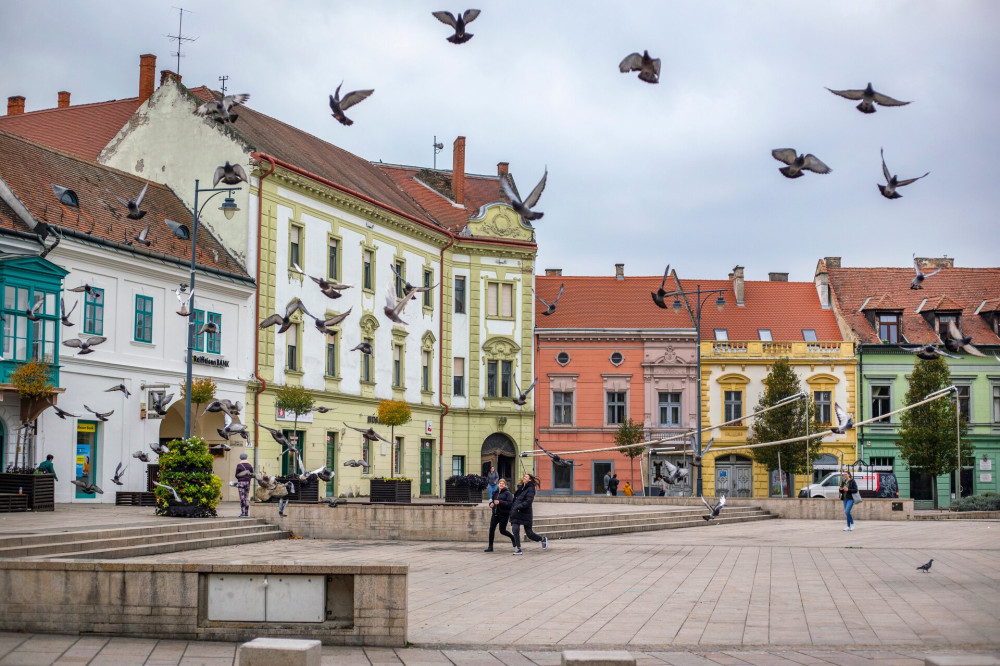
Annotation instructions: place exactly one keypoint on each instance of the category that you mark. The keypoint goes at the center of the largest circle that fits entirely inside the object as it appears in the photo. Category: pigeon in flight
(322, 324)
(226, 406)
(65, 315)
(660, 294)
(458, 23)
(867, 96)
(369, 434)
(365, 348)
(141, 456)
(224, 110)
(177, 497)
(143, 237)
(798, 163)
(286, 320)
(955, 341)
(219, 446)
(87, 487)
(356, 463)
(134, 205)
(324, 473)
(550, 307)
(393, 308)
(330, 289)
(230, 174)
(85, 346)
(522, 398)
(117, 478)
(32, 312)
(184, 298)
(119, 387)
(674, 473)
(90, 290)
(845, 421)
(409, 289)
(647, 66)
(714, 509)
(556, 458)
(322, 409)
(926, 567)
(101, 416)
(159, 449)
(208, 327)
(61, 413)
(231, 427)
(927, 352)
(892, 182)
(160, 402)
(278, 436)
(338, 106)
(918, 281)
(523, 208)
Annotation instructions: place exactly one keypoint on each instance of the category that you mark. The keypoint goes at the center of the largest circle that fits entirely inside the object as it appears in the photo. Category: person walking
(520, 513)
(47, 467)
(501, 513)
(607, 482)
(848, 490)
(244, 473)
(492, 479)
(662, 485)
(613, 485)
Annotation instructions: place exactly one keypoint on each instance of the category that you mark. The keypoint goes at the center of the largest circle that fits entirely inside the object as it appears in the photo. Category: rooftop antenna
(223, 79)
(438, 147)
(180, 36)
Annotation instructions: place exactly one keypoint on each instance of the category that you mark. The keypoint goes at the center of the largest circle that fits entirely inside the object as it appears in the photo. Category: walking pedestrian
(47, 468)
(613, 485)
(662, 485)
(848, 490)
(501, 513)
(607, 482)
(520, 513)
(492, 479)
(244, 473)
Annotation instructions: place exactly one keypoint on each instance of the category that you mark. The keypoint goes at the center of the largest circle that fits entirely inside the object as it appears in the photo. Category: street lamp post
(677, 306)
(228, 208)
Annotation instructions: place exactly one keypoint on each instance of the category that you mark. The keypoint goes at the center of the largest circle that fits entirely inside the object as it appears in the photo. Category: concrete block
(270, 651)
(960, 660)
(597, 658)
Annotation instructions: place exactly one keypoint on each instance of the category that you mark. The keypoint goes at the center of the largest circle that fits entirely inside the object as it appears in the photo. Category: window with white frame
(670, 408)
(881, 400)
(823, 407)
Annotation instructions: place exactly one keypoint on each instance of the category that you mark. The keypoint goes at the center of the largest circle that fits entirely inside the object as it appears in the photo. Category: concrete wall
(156, 600)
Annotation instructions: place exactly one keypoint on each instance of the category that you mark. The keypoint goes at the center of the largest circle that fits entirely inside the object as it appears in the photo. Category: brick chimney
(502, 168)
(63, 99)
(737, 277)
(553, 271)
(832, 262)
(15, 105)
(777, 277)
(166, 74)
(935, 262)
(147, 76)
(619, 271)
(458, 171)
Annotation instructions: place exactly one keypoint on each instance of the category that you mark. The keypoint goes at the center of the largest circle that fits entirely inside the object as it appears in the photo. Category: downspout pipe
(447, 408)
(256, 339)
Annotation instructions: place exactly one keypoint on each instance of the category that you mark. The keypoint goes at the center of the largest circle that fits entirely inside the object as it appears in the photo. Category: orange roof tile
(30, 170)
(82, 130)
(883, 302)
(604, 302)
(953, 288)
(479, 191)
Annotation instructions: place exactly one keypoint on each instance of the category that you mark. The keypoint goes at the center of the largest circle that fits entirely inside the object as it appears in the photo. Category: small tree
(628, 433)
(393, 413)
(927, 434)
(297, 400)
(33, 382)
(785, 422)
(202, 391)
(187, 468)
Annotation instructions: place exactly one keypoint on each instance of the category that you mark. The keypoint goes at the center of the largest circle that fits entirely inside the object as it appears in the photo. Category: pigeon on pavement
(926, 567)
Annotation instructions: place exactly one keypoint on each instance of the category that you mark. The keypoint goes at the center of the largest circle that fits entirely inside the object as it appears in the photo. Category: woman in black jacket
(501, 504)
(521, 513)
(848, 489)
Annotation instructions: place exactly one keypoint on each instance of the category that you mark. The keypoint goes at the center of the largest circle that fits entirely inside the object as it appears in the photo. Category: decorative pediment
(498, 220)
(502, 349)
(883, 302)
(369, 324)
(427, 342)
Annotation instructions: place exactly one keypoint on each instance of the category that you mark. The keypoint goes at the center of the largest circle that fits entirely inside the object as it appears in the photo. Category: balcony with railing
(736, 349)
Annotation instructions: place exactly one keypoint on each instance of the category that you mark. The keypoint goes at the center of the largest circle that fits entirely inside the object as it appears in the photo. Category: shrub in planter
(475, 482)
(187, 468)
(985, 502)
(467, 488)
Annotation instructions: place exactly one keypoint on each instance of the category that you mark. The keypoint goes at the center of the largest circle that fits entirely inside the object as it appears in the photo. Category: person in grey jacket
(520, 513)
(501, 513)
(492, 479)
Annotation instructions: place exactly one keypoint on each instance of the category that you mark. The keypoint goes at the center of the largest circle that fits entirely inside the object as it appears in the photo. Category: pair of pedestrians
(517, 507)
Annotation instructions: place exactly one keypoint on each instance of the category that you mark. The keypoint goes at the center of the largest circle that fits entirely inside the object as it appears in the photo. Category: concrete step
(603, 520)
(173, 547)
(111, 532)
(588, 531)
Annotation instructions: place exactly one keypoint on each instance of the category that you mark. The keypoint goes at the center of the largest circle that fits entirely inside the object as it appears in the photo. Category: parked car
(870, 484)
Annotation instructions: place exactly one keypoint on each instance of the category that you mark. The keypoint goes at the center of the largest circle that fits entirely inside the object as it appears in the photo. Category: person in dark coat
(613, 485)
(501, 506)
(244, 473)
(848, 488)
(520, 513)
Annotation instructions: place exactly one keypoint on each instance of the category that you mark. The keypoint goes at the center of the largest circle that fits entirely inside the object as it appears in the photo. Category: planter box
(454, 493)
(390, 492)
(40, 489)
(305, 493)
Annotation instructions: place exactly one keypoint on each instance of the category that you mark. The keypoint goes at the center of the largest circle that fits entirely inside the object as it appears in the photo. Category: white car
(871, 484)
(829, 487)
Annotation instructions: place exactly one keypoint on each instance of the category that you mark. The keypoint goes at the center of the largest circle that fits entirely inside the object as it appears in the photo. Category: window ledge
(140, 343)
(294, 373)
(368, 291)
(366, 382)
(500, 318)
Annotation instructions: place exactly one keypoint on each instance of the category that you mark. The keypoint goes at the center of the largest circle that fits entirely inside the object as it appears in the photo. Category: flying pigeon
(159, 449)
(550, 307)
(117, 478)
(224, 109)
(184, 298)
(365, 348)
(278, 436)
(226, 406)
(714, 509)
(32, 312)
(338, 106)
(65, 315)
(323, 410)
(892, 182)
(556, 458)
(142, 456)
(102, 416)
(230, 174)
(955, 341)
(90, 290)
(661, 293)
(409, 289)
(798, 163)
(356, 463)
(143, 237)
(522, 397)
(845, 421)
(85, 346)
(324, 473)
(176, 496)
(458, 23)
(232, 427)
(867, 96)
(286, 320)
(523, 208)
(208, 327)
(918, 281)
(220, 446)
(119, 387)
(322, 324)
(394, 308)
(60, 412)
(160, 402)
(369, 434)
(133, 205)
(330, 289)
(674, 473)
(926, 567)
(87, 487)
(927, 352)
(648, 67)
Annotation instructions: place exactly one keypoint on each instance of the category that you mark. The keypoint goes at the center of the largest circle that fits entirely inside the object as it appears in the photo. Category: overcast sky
(678, 173)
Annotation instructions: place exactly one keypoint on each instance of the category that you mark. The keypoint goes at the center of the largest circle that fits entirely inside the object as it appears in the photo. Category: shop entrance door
(426, 466)
(86, 456)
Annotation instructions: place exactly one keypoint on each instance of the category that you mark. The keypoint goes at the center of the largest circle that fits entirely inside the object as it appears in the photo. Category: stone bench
(597, 658)
(284, 651)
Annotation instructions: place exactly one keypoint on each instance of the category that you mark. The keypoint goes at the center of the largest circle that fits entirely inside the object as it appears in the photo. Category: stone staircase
(586, 525)
(116, 542)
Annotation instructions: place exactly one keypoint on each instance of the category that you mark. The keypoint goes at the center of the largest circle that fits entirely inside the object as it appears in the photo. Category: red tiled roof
(30, 170)
(786, 308)
(479, 191)
(883, 302)
(82, 130)
(605, 302)
(954, 288)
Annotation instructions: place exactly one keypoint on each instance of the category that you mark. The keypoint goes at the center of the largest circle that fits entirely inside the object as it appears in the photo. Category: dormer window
(65, 195)
(943, 320)
(888, 327)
